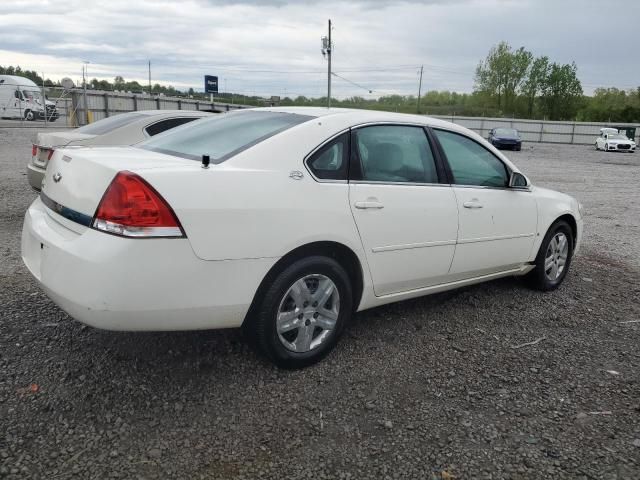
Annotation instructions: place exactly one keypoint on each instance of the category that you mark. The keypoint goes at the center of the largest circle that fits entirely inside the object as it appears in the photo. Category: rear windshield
(223, 135)
(107, 125)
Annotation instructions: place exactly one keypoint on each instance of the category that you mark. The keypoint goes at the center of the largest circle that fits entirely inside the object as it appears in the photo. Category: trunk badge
(57, 177)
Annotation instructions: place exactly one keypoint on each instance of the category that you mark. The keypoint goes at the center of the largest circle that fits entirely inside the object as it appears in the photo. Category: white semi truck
(20, 98)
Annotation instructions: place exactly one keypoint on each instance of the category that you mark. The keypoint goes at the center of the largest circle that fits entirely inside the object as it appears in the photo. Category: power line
(352, 83)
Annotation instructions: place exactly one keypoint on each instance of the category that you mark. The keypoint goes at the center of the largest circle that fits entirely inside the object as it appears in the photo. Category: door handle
(365, 205)
(472, 204)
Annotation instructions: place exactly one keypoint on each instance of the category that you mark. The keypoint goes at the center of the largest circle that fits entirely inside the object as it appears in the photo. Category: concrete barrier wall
(579, 133)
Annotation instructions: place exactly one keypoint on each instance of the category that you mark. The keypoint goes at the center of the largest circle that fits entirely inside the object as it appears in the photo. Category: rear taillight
(34, 150)
(132, 208)
(50, 154)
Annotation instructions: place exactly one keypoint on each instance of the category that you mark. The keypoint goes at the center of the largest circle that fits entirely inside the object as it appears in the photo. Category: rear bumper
(116, 283)
(35, 175)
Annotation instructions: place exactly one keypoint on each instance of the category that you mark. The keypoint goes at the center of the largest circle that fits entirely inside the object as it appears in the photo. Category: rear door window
(395, 153)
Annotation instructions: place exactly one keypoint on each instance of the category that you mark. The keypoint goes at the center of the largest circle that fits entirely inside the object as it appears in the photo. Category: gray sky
(273, 47)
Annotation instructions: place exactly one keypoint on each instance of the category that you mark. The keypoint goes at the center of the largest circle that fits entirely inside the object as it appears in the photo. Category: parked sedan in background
(286, 221)
(124, 129)
(505, 138)
(612, 141)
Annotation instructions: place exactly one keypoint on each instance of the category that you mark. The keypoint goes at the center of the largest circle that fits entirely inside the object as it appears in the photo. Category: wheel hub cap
(308, 313)
(556, 256)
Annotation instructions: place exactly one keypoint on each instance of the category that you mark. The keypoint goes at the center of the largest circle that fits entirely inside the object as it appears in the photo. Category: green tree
(561, 92)
(535, 79)
(501, 74)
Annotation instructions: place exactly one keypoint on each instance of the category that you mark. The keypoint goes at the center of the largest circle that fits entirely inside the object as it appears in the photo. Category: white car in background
(612, 141)
(124, 129)
(286, 221)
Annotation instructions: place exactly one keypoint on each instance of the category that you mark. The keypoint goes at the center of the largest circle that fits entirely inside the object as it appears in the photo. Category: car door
(497, 224)
(404, 210)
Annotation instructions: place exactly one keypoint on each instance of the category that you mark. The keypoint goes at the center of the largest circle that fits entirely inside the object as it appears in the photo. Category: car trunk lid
(76, 179)
(47, 142)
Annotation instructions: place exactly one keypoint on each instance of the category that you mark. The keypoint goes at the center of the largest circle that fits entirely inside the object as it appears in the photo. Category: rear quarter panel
(249, 206)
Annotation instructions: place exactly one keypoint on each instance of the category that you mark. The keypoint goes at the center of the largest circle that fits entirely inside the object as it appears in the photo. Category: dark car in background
(505, 138)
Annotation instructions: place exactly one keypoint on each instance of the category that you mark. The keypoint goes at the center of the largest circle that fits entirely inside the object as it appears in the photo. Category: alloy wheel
(556, 256)
(308, 312)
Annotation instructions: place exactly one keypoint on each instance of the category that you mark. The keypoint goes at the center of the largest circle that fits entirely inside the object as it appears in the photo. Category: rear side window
(109, 124)
(224, 135)
(470, 163)
(330, 161)
(167, 124)
(395, 153)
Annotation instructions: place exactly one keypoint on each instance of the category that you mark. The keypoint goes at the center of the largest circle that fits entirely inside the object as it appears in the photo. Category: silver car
(124, 129)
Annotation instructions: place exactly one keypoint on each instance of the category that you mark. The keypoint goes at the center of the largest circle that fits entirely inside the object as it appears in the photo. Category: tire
(597, 146)
(29, 116)
(606, 147)
(306, 331)
(518, 148)
(544, 277)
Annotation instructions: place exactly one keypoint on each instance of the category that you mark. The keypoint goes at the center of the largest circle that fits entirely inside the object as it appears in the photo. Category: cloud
(272, 47)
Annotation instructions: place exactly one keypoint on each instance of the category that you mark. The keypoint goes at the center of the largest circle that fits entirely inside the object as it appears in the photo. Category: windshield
(223, 135)
(32, 94)
(618, 137)
(506, 132)
(107, 125)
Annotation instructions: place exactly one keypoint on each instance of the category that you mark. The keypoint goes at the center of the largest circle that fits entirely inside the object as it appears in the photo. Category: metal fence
(71, 111)
(578, 133)
(101, 105)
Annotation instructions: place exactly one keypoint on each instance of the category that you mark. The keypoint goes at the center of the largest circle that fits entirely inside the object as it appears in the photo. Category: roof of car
(359, 114)
(186, 113)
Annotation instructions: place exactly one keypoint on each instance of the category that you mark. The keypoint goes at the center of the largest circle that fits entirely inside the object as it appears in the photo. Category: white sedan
(123, 129)
(286, 221)
(610, 140)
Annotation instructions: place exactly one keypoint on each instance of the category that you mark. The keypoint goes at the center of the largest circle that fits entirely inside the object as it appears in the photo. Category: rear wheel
(303, 312)
(554, 257)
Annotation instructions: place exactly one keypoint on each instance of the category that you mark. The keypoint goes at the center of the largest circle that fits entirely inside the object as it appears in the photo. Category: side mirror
(518, 181)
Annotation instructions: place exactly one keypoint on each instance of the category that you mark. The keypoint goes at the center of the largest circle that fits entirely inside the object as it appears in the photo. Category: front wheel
(606, 147)
(554, 257)
(302, 313)
(29, 115)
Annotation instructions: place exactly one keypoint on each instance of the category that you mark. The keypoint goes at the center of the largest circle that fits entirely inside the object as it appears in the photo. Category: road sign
(210, 84)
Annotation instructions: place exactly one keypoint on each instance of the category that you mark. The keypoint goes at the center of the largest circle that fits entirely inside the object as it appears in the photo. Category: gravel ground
(427, 389)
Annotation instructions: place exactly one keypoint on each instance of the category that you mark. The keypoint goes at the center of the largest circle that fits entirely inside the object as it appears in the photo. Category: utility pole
(329, 71)
(149, 77)
(326, 51)
(84, 86)
(420, 89)
(44, 101)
